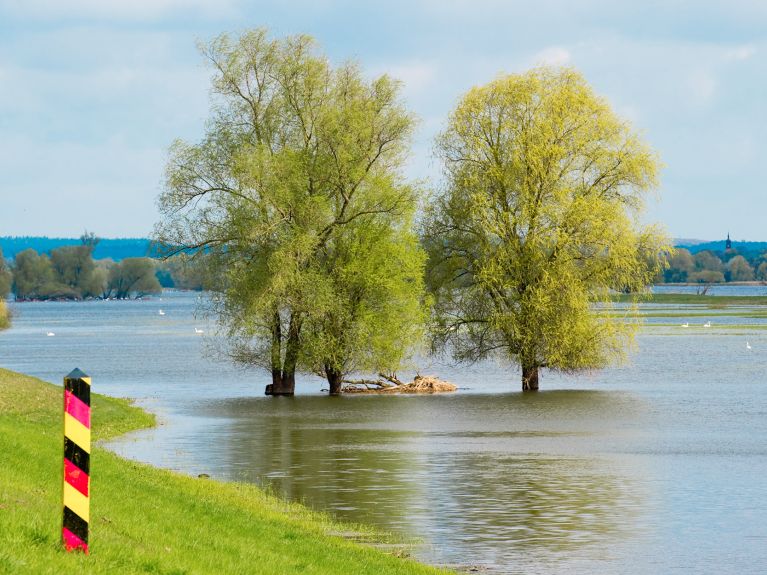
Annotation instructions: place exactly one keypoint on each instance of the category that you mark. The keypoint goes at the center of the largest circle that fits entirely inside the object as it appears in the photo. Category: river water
(657, 466)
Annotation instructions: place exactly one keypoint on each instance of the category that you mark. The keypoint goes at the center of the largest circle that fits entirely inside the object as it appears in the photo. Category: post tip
(76, 373)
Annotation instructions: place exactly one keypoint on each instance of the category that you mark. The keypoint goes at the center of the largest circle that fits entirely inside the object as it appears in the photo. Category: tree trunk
(283, 383)
(292, 347)
(335, 379)
(284, 380)
(284, 377)
(529, 378)
(276, 387)
(276, 347)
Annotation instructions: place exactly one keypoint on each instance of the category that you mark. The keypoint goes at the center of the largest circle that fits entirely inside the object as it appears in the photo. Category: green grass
(715, 301)
(148, 520)
(692, 313)
(695, 329)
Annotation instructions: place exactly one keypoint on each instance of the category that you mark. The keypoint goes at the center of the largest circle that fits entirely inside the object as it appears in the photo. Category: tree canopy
(295, 200)
(132, 277)
(32, 275)
(538, 221)
(739, 269)
(70, 272)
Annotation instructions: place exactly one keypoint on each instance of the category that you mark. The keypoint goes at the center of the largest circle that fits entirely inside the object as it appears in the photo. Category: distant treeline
(116, 249)
(71, 272)
(746, 249)
(716, 266)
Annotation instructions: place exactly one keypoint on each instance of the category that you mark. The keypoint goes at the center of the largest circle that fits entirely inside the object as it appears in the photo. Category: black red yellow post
(77, 455)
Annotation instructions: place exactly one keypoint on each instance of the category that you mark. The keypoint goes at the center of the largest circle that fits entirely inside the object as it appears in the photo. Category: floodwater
(657, 466)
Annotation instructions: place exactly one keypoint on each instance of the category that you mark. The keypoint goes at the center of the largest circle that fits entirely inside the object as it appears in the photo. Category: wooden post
(77, 455)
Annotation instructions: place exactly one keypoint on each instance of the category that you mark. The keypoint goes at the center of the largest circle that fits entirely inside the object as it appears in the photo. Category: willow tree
(537, 224)
(291, 198)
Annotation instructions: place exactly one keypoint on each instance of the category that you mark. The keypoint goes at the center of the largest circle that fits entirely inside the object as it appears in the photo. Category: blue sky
(93, 92)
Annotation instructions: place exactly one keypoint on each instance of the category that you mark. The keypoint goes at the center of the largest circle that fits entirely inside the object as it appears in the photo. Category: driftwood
(368, 383)
(391, 384)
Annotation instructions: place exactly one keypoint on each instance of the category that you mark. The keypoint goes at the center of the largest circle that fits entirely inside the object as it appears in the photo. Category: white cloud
(553, 56)
(741, 53)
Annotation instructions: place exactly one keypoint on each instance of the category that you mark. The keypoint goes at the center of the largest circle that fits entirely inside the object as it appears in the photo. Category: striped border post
(77, 455)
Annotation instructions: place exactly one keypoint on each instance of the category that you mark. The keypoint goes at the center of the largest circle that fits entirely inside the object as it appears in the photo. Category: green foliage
(761, 271)
(374, 312)
(100, 278)
(293, 195)
(707, 267)
(739, 270)
(680, 265)
(6, 278)
(707, 260)
(150, 520)
(183, 272)
(68, 273)
(132, 277)
(73, 267)
(33, 275)
(538, 222)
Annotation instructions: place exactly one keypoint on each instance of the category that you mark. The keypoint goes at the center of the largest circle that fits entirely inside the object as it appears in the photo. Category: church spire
(728, 243)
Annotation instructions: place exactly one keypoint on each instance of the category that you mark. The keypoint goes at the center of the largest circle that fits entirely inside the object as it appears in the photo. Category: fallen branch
(391, 378)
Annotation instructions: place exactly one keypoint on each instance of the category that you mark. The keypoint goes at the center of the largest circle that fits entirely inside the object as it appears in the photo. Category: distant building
(728, 243)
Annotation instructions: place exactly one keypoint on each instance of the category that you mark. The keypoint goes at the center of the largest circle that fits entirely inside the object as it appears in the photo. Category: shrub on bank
(5, 320)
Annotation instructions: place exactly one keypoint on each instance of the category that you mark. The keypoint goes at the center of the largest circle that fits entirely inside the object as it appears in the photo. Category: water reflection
(478, 478)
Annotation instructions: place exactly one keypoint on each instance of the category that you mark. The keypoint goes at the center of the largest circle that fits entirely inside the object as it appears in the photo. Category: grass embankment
(684, 298)
(148, 520)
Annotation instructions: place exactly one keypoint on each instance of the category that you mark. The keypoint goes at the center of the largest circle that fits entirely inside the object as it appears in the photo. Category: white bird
(198, 330)
(748, 345)
(50, 334)
(162, 312)
(686, 324)
(707, 324)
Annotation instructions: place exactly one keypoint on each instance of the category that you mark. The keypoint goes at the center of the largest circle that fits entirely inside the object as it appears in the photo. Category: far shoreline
(715, 284)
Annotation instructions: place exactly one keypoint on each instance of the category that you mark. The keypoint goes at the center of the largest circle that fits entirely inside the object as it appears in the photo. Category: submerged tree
(33, 275)
(292, 198)
(374, 312)
(538, 222)
(132, 277)
(73, 267)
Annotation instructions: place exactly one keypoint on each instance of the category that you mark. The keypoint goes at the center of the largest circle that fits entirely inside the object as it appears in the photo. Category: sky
(93, 92)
